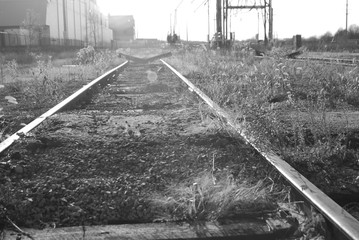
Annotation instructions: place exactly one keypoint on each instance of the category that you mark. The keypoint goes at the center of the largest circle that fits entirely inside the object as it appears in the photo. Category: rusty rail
(145, 60)
(106, 77)
(332, 60)
(340, 218)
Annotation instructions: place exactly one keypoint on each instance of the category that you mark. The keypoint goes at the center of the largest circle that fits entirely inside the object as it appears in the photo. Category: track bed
(100, 164)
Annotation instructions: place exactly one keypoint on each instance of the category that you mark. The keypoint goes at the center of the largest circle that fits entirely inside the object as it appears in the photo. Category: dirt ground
(101, 164)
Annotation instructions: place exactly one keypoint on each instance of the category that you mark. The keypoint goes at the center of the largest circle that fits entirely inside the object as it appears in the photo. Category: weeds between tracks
(211, 196)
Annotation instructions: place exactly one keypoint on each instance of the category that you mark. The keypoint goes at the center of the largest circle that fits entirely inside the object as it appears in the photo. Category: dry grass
(209, 197)
(46, 81)
(246, 87)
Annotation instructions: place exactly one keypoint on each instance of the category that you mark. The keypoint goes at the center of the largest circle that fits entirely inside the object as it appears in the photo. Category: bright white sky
(305, 17)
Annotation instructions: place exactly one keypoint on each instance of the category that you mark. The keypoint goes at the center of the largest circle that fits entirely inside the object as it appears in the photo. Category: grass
(289, 106)
(45, 79)
(245, 87)
(43, 82)
(212, 196)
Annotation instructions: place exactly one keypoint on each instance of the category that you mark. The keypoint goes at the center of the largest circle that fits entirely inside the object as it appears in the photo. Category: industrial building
(53, 22)
(123, 28)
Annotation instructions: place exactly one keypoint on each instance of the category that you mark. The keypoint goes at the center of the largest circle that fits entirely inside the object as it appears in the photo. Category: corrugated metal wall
(78, 21)
(63, 22)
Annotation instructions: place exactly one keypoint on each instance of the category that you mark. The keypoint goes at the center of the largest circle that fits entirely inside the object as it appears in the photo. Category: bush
(100, 60)
(86, 55)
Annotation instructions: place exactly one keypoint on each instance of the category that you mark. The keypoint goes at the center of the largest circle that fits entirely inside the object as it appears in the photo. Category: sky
(291, 17)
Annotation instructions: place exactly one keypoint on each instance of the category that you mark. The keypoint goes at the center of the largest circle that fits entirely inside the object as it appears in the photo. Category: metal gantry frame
(222, 12)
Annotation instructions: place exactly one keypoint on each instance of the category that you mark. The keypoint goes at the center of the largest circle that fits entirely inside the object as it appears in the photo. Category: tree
(353, 32)
(340, 35)
(31, 27)
(312, 39)
(327, 37)
(93, 19)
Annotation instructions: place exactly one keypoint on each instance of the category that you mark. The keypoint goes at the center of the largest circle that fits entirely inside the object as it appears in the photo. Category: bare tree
(341, 35)
(2, 62)
(327, 37)
(32, 27)
(353, 31)
(93, 19)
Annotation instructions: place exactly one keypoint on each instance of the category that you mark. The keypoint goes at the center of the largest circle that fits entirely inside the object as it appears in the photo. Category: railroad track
(330, 61)
(139, 125)
(336, 61)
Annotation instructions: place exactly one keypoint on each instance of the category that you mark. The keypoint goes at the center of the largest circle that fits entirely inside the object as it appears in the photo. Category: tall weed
(284, 103)
(209, 197)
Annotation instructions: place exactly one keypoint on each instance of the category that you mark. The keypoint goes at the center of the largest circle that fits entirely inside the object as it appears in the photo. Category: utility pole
(74, 14)
(171, 23)
(258, 23)
(87, 19)
(81, 37)
(226, 20)
(223, 20)
(214, 26)
(209, 27)
(270, 30)
(187, 31)
(219, 16)
(265, 23)
(175, 22)
(346, 18)
(64, 8)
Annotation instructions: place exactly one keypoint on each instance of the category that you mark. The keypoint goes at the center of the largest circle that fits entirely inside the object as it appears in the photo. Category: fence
(9, 40)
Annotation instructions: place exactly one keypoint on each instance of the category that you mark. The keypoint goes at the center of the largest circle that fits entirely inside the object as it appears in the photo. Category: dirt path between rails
(100, 164)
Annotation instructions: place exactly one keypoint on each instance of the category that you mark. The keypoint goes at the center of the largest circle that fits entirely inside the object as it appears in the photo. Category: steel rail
(75, 96)
(338, 60)
(144, 60)
(298, 59)
(323, 62)
(340, 218)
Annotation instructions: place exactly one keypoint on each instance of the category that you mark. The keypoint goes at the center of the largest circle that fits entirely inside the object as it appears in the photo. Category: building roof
(13, 12)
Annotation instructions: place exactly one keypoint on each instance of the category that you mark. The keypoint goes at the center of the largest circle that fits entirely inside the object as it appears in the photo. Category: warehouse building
(53, 22)
(123, 28)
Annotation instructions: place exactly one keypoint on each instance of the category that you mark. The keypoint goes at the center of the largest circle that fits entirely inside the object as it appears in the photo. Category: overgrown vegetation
(341, 41)
(291, 106)
(211, 196)
(45, 83)
(40, 81)
(26, 91)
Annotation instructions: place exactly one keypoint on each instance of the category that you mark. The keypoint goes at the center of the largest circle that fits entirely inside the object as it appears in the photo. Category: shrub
(86, 55)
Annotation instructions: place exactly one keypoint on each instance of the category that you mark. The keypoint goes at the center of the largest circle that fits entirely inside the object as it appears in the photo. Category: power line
(179, 4)
(203, 3)
(346, 19)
